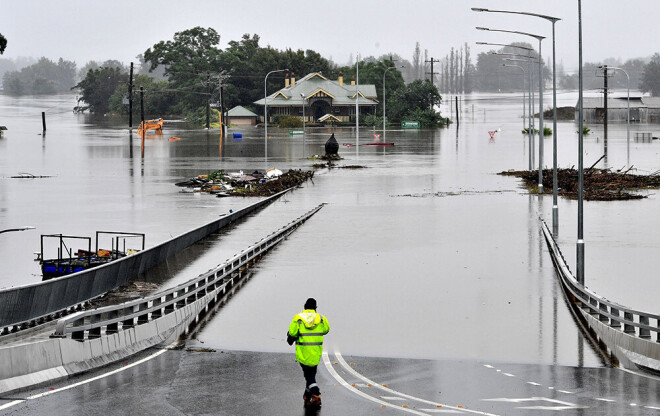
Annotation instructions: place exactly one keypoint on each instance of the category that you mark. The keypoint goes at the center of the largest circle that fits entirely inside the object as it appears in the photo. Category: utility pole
(432, 73)
(130, 99)
(208, 100)
(606, 75)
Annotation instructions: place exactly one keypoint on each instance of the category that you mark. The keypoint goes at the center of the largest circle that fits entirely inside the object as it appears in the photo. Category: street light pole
(539, 38)
(357, 100)
(579, 268)
(384, 73)
(266, 112)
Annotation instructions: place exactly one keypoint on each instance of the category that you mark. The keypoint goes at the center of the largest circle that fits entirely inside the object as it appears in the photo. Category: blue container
(238, 135)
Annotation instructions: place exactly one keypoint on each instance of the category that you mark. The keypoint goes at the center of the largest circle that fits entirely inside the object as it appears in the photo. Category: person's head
(310, 303)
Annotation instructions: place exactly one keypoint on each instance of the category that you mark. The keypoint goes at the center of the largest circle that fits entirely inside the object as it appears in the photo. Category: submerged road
(199, 379)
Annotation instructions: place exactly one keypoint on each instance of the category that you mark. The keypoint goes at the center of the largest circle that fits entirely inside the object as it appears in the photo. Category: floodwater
(424, 253)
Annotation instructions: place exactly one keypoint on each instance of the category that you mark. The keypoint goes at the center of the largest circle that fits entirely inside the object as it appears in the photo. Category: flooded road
(424, 253)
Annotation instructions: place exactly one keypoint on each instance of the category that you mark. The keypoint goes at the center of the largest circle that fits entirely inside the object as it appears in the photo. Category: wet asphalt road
(199, 380)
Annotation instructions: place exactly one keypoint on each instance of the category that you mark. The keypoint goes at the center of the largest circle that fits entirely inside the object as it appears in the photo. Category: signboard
(410, 124)
(292, 132)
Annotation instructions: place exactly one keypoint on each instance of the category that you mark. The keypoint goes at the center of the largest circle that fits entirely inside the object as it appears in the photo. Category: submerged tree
(651, 77)
(98, 86)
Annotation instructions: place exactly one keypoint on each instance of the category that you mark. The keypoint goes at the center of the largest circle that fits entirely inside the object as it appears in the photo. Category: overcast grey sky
(83, 30)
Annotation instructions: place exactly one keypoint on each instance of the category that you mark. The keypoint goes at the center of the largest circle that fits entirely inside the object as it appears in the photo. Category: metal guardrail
(23, 307)
(112, 319)
(632, 322)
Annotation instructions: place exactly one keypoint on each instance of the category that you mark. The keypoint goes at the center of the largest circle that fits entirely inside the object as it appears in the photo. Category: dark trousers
(310, 379)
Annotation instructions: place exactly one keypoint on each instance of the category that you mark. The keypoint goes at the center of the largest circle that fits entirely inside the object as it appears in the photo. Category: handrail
(608, 312)
(166, 301)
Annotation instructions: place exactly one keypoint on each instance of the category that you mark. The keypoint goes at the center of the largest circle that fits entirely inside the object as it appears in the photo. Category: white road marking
(393, 398)
(508, 374)
(348, 368)
(10, 404)
(343, 382)
(604, 400)
(80, 383)
(652, 407)
(533, 383)
(565, 392)
(488, 366)
(562, 405)
(440, 410)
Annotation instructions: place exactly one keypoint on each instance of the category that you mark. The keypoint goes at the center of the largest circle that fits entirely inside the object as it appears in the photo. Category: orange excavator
(151, 125)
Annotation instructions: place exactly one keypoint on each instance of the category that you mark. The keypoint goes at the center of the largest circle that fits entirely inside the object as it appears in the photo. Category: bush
(547, 131)
(427, 118)
(371, 120)
(288, 122)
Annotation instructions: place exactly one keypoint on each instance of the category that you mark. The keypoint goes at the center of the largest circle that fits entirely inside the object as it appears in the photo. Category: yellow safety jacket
(309, 327)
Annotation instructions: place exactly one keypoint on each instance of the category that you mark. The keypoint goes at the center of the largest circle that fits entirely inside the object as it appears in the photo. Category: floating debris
(598, 185)
(224, 184)
(124, 293)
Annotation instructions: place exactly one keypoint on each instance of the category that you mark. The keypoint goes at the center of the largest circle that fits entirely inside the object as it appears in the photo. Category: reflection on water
(425, 253)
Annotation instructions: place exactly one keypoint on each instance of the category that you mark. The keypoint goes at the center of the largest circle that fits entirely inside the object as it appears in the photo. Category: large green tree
(416, 102)
(98, 86)
(651, 77)
(3, 44)
(372, 73)
(187, 59)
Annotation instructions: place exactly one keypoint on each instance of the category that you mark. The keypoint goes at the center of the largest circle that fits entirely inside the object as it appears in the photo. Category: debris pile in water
(598, 185)
(238, 183)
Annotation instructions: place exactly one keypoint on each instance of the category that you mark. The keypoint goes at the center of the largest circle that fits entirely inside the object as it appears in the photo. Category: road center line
(389, 390)
(343, 382)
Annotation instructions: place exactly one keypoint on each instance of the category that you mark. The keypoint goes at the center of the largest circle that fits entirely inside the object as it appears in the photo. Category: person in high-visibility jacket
(307, 330)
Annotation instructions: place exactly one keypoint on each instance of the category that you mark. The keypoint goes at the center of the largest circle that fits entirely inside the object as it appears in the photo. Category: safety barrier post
(112, 328)
(603, 308)
(143, 318)
(615, 323)
(94, 332)
(158, 312)
(130, 321)
(170, 307)
(80, 334)
(627, 328)
(644, 332)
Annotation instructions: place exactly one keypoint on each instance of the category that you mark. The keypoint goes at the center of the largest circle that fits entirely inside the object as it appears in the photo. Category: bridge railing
(632, 322)
(112, 319)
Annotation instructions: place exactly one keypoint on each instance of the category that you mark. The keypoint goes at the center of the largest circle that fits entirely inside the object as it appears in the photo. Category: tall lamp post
(628, 121)
(266, 112)
(539, 38)
(579, 247)
(553, 20)
(27, 227)
(384, 73)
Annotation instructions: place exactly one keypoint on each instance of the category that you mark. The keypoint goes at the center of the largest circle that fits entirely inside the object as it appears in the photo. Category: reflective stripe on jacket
(309, 327)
